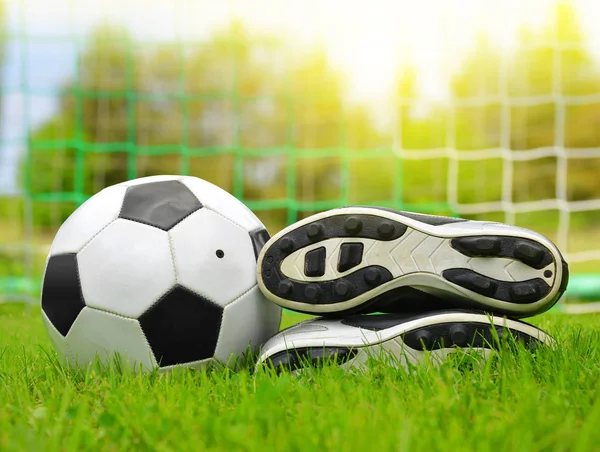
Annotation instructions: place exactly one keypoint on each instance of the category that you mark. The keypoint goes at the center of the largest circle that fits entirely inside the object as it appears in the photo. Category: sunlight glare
(370, 41)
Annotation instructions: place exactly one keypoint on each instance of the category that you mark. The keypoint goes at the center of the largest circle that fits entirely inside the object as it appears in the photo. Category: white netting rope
(506, 204)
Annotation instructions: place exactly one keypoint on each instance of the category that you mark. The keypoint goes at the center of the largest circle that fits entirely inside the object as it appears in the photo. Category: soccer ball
(160, 271)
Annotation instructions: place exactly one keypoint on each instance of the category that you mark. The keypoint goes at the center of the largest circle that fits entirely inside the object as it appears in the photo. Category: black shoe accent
(465, 334)
(326, 228)
(524, 292)
(314, 262)
(527, 251)
(350, 227)
(285, 288)
(480, 246)
(433, 220)
(474, 281)
(334, 226)
(299, 358)
(521, 292)
(380, 322)
(565, 278)
(350, 256)
(407, 301)
(324, 292)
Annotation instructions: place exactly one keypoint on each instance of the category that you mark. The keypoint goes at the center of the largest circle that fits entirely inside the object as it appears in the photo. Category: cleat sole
(356, 260)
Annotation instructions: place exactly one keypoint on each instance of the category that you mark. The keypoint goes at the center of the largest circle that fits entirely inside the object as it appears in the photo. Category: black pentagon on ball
(182, 327)
(62, 300)
(159, 204)
(259, 237)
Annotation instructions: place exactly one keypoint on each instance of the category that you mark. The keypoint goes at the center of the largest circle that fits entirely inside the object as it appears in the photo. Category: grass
(516, 401)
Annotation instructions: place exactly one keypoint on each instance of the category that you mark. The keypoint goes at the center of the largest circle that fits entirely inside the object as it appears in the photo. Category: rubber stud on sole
(311, 292)
(285, 287)
(353, 225)
(529, 291)
(424, 338)
(529, 253)
(459, 336)
(486, 246)
(472, 281)
(500, 332)
(372, 276)
(314, 231)
(483, 285)
(386, 229)
(481, 246)
(524, 292)
(286, 244)
(342, 288)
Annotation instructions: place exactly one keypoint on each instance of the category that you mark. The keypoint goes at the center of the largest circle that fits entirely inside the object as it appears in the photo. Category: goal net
(486, 125)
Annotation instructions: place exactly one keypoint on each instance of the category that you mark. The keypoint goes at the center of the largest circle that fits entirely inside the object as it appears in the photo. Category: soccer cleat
(365, 259)
(399, 338)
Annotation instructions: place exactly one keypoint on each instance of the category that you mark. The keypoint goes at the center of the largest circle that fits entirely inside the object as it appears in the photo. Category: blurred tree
(2, 40)
(419, 125)
(547, 63)
(316, 92)
(166, 109)
(4, 206)
(93, 111)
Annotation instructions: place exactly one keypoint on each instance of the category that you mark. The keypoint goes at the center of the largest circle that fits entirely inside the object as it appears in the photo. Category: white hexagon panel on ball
(161, 272)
